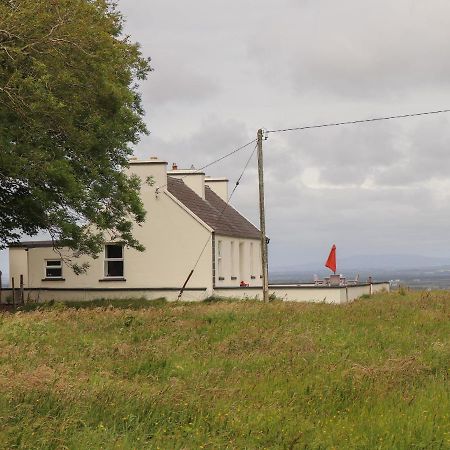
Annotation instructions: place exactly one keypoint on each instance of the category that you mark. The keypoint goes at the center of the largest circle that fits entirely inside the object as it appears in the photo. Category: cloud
(221, 72)
(211, 140)
(424, 158)
(357, 49)
(174, 83)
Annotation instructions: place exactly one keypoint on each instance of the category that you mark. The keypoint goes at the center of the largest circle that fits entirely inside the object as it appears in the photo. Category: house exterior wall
(172, 237)
(66, 295)
(18, 265)
(237, 258)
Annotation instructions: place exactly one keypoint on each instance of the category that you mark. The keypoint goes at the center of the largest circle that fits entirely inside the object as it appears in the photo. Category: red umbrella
(331, 261)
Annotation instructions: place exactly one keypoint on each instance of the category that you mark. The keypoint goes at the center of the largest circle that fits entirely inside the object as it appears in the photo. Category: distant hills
(416, 271)
(374, 262)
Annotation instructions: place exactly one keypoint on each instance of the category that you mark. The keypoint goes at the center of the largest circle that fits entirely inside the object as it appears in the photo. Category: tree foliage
(69, 112)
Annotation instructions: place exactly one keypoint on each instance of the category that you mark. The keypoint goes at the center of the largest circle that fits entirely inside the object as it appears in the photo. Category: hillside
(372, 374)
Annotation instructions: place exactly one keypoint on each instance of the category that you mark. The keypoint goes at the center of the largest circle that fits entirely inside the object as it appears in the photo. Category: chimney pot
(174, 166)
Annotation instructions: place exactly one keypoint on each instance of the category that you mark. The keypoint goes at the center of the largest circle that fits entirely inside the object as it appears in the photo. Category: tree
(69, 112)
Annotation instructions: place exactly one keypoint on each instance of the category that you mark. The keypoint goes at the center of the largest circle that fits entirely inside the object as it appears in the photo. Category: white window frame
(219, 259)
(53, 266)
(105, 266)
(232, 259)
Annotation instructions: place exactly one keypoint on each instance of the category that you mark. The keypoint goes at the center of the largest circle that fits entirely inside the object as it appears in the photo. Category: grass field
(246, 375)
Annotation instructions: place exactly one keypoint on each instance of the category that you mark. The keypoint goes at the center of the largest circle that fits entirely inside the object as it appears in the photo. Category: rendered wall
(45, 295)
(226, 268)
(219, 186)
(192, 179)
(173, 239)
(18, 265)
(337, 295)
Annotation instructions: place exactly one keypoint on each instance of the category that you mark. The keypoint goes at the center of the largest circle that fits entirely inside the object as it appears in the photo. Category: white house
(186, 212)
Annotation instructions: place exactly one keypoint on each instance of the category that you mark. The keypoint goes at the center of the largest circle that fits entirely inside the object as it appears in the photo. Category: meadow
(227, 374)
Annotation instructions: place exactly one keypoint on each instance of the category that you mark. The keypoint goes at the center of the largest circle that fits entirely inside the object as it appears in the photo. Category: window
(219, 249)
(219, 259)
(232, 258)
(53, 268)
(242, 270)
(114, 260)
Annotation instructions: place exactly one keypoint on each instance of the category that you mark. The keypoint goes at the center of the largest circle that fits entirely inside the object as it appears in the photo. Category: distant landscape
(415, 271)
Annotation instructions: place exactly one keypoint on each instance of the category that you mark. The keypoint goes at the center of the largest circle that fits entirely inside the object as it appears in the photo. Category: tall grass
(369, 375)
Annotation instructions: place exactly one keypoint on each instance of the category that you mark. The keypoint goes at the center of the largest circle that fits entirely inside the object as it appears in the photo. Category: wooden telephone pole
(262, 218)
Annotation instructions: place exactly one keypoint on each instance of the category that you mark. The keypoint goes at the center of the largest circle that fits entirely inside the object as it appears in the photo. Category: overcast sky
(225, 69)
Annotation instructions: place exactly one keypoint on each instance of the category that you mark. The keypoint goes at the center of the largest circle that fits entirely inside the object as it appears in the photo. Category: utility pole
(262, 217)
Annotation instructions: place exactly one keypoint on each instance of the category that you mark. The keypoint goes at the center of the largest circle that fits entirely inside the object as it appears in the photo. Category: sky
(224, 69)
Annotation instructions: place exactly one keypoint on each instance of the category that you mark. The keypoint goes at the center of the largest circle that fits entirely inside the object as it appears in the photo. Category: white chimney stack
(191, 178)
(218, 185)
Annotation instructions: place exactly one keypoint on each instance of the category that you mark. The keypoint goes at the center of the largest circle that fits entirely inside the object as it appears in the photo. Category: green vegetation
(131, 303)
(70, 111)
(369, 375)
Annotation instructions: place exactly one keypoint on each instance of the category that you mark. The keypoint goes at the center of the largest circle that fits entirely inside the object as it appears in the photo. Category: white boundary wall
(304, 293)
(296, 293)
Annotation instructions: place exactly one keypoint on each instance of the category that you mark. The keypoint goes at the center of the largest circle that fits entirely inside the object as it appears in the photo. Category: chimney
(191, 178)
(174, 166)
(151, 167)
(219, 185)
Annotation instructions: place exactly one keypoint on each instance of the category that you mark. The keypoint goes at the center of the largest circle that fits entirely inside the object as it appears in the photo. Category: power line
(219, 216)
(221, 158)
(352, 122)
(228, 202)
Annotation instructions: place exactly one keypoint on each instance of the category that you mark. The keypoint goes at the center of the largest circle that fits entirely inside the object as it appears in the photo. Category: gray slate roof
(222, 218)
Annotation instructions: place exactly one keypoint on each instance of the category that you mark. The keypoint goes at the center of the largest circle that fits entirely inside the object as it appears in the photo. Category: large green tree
(69, 112)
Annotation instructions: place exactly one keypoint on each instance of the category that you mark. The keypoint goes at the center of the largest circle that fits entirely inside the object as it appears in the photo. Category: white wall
(229, 266)
(192, 179)
(219, 186)
(45, 295)
(18, 266)
(173, 239)
(337, 295)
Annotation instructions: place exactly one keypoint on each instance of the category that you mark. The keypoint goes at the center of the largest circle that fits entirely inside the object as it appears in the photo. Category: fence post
(21, 290)
(13, 293)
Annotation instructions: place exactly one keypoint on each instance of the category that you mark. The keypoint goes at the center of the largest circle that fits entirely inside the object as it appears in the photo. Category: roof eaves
(32, 244)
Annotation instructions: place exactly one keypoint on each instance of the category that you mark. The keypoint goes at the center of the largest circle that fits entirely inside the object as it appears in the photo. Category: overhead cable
(352, 122)
(213, 162)
(218, 217)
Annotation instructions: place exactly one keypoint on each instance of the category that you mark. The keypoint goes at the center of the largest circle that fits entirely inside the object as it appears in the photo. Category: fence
(16, 295)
